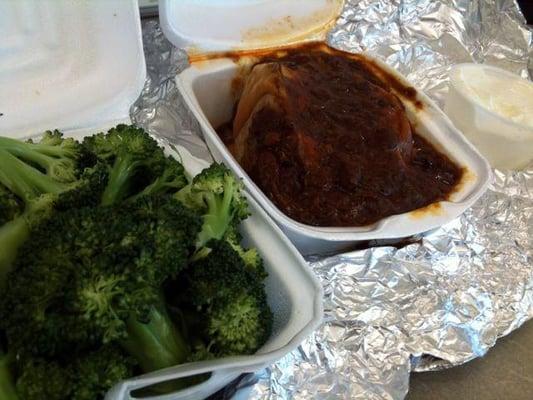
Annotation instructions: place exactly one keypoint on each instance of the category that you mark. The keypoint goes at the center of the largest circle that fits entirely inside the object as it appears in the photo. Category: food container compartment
(294, 295)
(70, 84)
(207, 87)
(492, 107)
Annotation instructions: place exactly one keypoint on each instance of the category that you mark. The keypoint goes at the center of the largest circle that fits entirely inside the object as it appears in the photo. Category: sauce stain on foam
(291, 29)
(433, 209)
(467, 177)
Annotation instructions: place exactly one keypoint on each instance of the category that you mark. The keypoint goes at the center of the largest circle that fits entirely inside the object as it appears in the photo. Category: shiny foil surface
(434, 303)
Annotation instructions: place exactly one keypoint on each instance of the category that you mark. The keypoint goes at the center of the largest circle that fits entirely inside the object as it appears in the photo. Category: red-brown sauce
(332, 146)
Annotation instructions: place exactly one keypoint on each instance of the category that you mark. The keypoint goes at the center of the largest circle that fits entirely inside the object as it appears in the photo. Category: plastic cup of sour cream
(494, 110)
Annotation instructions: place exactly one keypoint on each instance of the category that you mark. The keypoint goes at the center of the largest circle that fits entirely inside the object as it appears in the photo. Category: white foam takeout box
(78, 67)
(215, 26)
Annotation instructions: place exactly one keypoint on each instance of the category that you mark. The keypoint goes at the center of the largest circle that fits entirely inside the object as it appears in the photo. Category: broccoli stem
(44, 156)
(35, 152)
(154, 188)
(119, 180)
(218, 216)
(24, 180)
(157, 344)
(157, 186)
(7, 387)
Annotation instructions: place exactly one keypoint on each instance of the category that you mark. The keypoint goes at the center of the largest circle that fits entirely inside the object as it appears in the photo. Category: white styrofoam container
(221, 25)
(68, 64)
(207, 89)
(78, 67)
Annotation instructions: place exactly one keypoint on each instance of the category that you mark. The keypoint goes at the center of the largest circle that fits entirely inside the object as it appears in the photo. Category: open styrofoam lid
(68, 64)
(204, 26)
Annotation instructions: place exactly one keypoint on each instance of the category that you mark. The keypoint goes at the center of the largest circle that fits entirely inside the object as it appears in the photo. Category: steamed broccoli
(241, 325)
(216, 194)
(250, 257)
(134, 160)
(41, 379)
(232, 298)
(171, 179)
(33, 177)
(128, 267)
(88, 377)
(93, 374)
(96, 275)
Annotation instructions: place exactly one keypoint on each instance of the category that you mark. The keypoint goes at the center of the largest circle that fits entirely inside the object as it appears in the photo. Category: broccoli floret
(96, 275)
(133, 157)
(36, 175)
(232, 298)
(171, 179)
(95, 373)
(7, 386)
(250, 257)
(218, 195)
(87, 377)
(241, 325)
(217, 276)
(116, 231)
(87, 192)
(43, 380)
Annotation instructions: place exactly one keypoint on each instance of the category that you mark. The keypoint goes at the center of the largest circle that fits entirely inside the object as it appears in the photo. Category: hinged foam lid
(204, 26)
(68, 64)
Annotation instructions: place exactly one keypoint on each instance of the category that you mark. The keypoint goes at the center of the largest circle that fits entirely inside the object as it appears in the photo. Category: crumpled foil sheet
(436, 303)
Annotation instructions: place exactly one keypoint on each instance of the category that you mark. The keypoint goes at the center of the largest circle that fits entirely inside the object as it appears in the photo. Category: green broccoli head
(69, 163)
(40, 322)
(99, 299)
(232, 297)
(134, 160)
(250, 257)
(216, 276)
(95, 373)
(218, 195)
(95, 275)
(40, 379)
(170, 180)
(34, 177)
(86, 192)
(87, 377)
(241, 325)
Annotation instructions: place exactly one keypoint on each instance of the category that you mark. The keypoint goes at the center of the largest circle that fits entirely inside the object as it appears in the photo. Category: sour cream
(505, 95)
(494, 110)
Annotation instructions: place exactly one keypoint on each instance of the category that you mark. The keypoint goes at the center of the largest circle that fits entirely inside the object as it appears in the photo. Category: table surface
(504, 373)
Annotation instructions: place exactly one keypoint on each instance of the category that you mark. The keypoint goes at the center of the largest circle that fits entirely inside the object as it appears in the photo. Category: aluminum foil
(436, 303)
